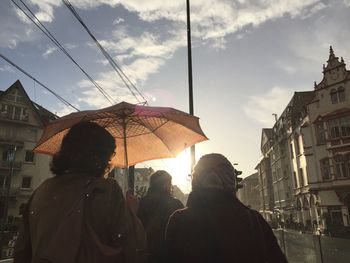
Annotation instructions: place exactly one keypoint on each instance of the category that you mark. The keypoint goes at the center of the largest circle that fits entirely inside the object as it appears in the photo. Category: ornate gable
(16, 106)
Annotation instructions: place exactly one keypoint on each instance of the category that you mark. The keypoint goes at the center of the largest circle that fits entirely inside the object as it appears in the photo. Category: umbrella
(142, 133)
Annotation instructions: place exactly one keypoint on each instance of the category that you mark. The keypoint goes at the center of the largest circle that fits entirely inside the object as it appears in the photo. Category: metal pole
(126, 170)
(190, 81)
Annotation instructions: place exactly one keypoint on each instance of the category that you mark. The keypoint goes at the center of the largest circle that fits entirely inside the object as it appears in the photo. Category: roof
(296, 108)
(45, 116)
(268, 132)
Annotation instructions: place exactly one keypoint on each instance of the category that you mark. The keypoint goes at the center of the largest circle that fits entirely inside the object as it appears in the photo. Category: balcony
(7, 165)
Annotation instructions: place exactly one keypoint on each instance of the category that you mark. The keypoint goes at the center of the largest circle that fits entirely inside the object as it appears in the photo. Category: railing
(8, 164)
(304, 247)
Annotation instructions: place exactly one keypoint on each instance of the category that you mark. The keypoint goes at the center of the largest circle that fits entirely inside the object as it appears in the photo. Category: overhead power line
(128, 83)
(37, 81)
(37, 22)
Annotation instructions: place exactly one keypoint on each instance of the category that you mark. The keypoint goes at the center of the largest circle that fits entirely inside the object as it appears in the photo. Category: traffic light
(238, 179)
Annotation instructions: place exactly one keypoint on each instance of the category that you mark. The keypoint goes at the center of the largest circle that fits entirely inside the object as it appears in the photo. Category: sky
(249, 56)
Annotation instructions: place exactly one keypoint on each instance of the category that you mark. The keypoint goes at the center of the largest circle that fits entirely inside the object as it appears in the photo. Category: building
(249, 194)
(322, 172)
(21, 170)
(306, 155)
(141, 180)
(142, 176)
(267, 199)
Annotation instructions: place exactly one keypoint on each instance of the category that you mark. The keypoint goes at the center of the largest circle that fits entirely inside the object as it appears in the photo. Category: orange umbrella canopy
(142, 133)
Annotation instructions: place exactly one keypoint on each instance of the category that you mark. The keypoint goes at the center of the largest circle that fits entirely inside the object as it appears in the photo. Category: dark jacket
(154, 212)
(217, 227)
(106, 211)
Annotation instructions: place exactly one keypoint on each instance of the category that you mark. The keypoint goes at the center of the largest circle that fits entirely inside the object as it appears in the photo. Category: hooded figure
(216, 226)
(154, 212)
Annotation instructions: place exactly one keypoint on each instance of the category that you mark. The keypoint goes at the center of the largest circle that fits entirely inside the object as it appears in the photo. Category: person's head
(214, 171)
(160, 182)
(86, 148)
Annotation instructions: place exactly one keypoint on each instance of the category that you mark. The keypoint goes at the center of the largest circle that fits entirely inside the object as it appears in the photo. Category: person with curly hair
(80, 215)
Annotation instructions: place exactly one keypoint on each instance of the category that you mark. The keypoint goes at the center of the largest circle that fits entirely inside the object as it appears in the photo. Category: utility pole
(190, 81)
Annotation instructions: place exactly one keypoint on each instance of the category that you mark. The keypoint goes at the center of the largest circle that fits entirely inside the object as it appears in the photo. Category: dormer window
(337, 95)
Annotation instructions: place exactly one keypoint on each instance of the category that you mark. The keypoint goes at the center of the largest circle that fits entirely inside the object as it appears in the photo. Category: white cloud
(46, 9)
(6, 68)
(138, 71)
(211, 19)
(49, 51)
(63, 109)
(261, 107)
(118, 20)
(347, 3)
(313, 10)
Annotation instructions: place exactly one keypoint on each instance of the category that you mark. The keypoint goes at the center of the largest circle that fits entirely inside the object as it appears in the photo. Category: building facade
(249, 194)
(21, 170)
(308, 154)
(264, 176)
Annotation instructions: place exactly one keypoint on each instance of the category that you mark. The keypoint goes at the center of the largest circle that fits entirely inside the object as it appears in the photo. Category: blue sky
(249, 56)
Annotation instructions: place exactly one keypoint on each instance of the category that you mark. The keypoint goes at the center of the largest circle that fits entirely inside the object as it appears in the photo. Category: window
(342, 166)
(295, 179)
(336, 215)
(291, 151)
(341, 94)
(325, 169)
(337, 95)
(8, 155)
(320, 133)
(29, 158)
(301, 177)
(17, 113)
(339, 127)
(334, 96)
(13, 112)
(334, 128)
(345, 126)
(26, 182)
(297, 146)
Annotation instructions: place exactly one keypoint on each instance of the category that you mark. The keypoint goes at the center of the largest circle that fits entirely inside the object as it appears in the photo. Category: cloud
(63, 109)
(261, 107)
(321, 33)
(118, 20)
(286, 66)
(6, 68)
(313, 10)
(50, 50)
(211, 19)
(140, 70)
(46, 9)
(347, 3)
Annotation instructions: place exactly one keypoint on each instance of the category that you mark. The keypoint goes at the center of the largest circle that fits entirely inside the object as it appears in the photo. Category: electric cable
(111, 61)
(37, 81)
(58, 44)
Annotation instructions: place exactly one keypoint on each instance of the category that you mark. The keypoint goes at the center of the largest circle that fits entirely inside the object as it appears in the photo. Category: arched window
(341, 94)
(334, 96)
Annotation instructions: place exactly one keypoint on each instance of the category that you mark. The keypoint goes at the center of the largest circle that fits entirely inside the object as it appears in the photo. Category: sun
(180, 169)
